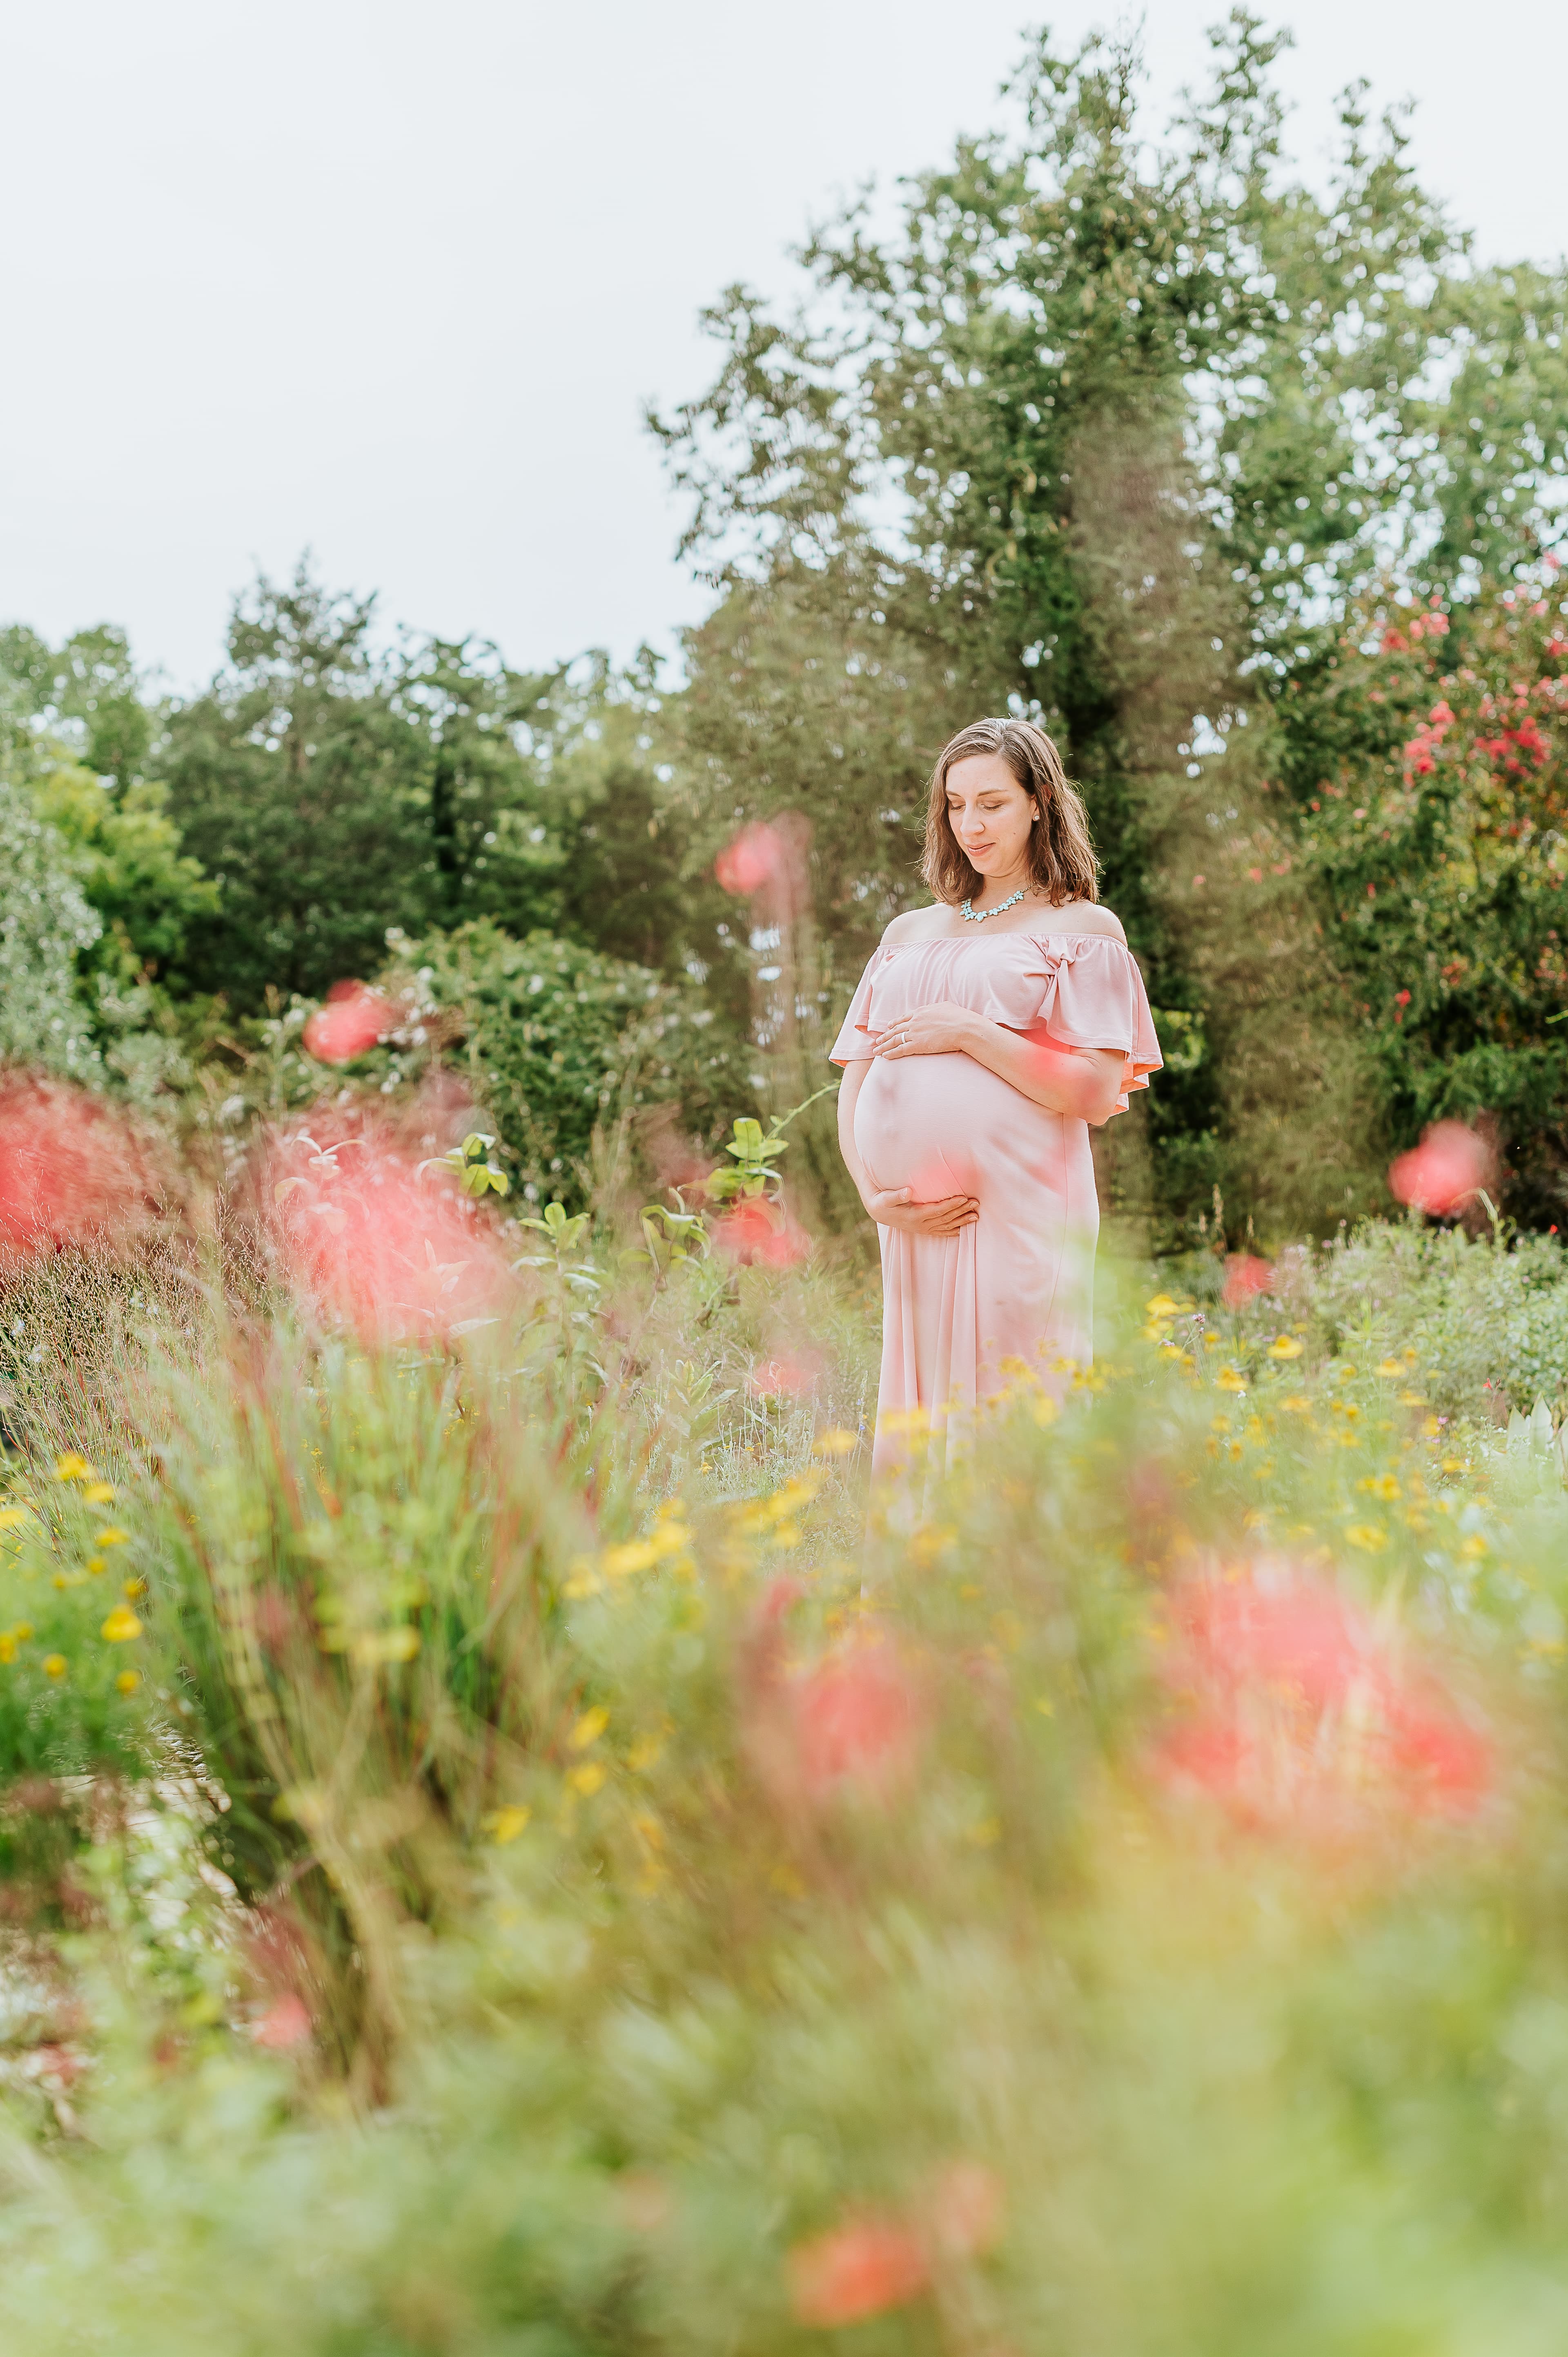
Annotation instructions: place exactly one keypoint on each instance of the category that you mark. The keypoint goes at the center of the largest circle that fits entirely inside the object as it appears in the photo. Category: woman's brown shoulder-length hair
(1061, 854)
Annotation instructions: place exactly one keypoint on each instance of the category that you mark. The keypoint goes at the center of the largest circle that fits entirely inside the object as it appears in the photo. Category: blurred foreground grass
(501, 1856)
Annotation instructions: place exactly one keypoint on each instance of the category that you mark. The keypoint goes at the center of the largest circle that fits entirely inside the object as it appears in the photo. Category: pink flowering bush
(1430, 772)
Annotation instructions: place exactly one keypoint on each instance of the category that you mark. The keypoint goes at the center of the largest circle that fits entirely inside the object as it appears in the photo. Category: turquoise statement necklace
(978, 916)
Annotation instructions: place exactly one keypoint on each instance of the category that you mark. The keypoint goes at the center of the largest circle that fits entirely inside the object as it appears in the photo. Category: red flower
(853, 1721)
(1395, 643)
(1245, 1277)
(393, 1254)
(754, 857)
(859, 1721)
(285, 2023)
(859, 2269)
(757, 1231)
(353, 1019)
(72, 1173)
(1447, 1168)
(1298, 1710)
(783, 1378)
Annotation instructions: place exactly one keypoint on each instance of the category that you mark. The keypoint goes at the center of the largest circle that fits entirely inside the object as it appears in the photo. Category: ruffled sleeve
(1095, 999)
(853, 1045)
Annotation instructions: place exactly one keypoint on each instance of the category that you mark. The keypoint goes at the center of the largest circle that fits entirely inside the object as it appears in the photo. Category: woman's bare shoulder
(1087, 917)
(916, 924)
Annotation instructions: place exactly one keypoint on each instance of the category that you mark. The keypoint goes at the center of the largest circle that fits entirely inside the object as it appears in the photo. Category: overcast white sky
(395, 280)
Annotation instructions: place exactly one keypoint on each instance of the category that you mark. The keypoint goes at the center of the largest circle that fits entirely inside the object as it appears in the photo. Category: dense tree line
(1152, 441)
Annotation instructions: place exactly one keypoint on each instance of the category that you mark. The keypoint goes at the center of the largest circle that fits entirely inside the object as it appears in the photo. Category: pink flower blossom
(1246, 1277)
(72, 1173)
(285, 2023)
(353, 1019)
(965, 2210)
(860, 2270)
(852, 1723)
(755, 1231)
(785, 1377)
(395, 1255)
(751, 859)
(1297, 1708)
(1444, 1170)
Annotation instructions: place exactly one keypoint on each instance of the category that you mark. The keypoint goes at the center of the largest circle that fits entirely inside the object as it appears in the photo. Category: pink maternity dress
(1017, 1285)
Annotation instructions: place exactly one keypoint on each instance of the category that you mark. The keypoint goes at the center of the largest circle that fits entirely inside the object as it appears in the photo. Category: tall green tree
(1110, 431)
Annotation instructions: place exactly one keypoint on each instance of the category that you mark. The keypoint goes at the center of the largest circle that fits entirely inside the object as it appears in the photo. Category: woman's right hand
(893, 1207)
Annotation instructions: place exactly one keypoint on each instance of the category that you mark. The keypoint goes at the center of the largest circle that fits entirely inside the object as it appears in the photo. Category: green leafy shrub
(556, 1042)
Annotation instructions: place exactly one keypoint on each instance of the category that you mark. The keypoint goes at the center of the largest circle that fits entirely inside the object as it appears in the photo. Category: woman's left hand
(944, 1028)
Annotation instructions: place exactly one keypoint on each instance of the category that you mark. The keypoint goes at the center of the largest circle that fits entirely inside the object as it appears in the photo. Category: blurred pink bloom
(752, 858)
(860, 2270)
(396, 1255)
(784, 1378)
(72, 1172)
(1449, 1166)
(853, 1721)
(769, 862)
(1298, 1711)
(1246, 1277)
(756, 1230)
(966, 2210)
(859, 1720)
(351, 1023)
(285, 2023)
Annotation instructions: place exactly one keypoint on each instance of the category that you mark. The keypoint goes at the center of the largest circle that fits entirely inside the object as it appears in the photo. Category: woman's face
(989, 813)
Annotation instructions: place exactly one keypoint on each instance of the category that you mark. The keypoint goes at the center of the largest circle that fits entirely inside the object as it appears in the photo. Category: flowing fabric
(961, 1312)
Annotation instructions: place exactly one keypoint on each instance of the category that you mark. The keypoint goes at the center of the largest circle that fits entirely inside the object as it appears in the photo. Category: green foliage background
(1124, 427)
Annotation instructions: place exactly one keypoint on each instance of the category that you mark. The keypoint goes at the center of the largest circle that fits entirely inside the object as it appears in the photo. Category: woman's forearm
(1082, 1083)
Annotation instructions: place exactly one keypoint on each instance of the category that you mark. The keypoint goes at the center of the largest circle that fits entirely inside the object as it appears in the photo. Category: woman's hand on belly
(943, 1028)
(895, 1207)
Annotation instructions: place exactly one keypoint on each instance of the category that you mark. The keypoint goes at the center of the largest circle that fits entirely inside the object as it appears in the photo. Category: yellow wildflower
(121, 1627)
(96, 1563)
(55, 1665)
(1474, 1548)
(1389, 1370)
(588, 1778)
(1453, 1465)
(379, 1645)
(835, 1443)
(112, 1537)
(1228, 1379)
(133, 1588)
(7, 1646)
(10, 1516)
(1370, 1537)
(589, 1728)
(1161, 1305)
(70, 1467)
(99, 1493)
(1412, 1399)
(1285, 1346)
(128, 1681)
(581, 1580)
(1297, 1404)
(504, 1825)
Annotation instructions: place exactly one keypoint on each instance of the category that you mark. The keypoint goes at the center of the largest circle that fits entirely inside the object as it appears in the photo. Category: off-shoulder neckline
(1014, 933)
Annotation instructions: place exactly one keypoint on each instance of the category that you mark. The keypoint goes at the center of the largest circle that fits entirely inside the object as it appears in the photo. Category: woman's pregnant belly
(944, 1126)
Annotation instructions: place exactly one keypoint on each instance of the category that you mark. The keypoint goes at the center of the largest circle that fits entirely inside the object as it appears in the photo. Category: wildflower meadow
(509, 1845)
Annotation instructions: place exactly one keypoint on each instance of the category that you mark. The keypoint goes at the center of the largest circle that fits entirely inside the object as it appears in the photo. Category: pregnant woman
(988, 1032)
